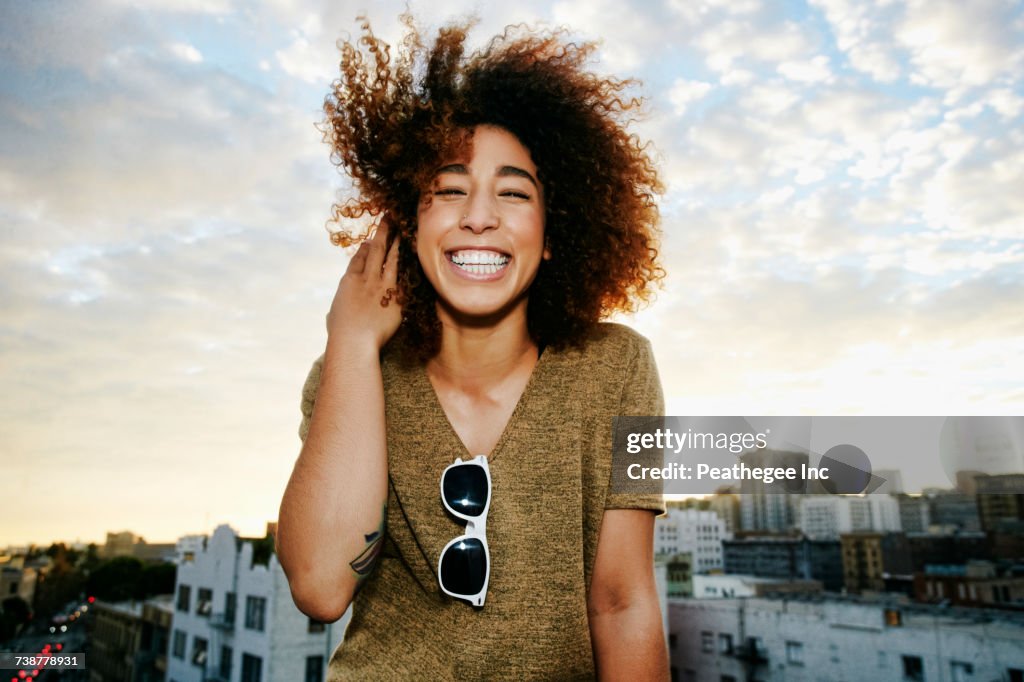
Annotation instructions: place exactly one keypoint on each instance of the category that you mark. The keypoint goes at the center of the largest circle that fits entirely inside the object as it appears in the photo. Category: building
(693, 532)
(807, 638)
(128, 640)
(727, 506)
(954, 510)
(915, 513)
(946, 548)
(975, 583)
(154, 639)
(771, 506)
(787, 558)
(728, 586)
(826, 517)
(114, 641)
(127, 543)
(869, 559)
(1000, 501)
(892, 482)
(17, 579)
(234, 618)
(678, 574)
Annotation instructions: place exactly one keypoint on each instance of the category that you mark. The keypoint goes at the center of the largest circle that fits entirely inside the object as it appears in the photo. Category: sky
(842, 228)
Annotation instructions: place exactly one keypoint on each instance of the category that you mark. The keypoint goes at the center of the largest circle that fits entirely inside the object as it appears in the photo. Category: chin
(473, 311)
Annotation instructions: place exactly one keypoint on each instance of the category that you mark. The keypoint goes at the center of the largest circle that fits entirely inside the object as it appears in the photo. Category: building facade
(826, 637)
(235, 620)
(826, 517)
(690, 531)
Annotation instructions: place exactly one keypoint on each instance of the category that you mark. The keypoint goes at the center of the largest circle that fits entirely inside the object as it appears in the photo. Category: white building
(827, 637)
(826, 517)
(235, 621)
(689, 530)
(735, 585)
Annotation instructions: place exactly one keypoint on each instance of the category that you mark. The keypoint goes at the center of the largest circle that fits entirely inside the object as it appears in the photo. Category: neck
(478, 355)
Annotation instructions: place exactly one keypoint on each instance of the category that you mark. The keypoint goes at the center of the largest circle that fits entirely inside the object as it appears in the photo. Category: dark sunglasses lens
(464, 567)
(465, 489)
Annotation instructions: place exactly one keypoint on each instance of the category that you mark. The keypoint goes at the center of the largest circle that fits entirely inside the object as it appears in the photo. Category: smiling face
(480, 235)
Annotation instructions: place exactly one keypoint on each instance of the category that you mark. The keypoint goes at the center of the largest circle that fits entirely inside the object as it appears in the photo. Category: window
(225, 662)
(725, 644)
(230, 602)
(755, 645)
(795, 653)
(893, 618)
(1015, 674)
(205, 602)
(314, 668)
(727, 678)
(178, 650)
(961, 672)
(314, 626)
(252, 668)
(707, 641)
(913, 668)
(255, 610)
(184, 595)
(199, 651)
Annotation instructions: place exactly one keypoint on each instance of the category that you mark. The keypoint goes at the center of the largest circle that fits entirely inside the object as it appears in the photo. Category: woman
(516, 213)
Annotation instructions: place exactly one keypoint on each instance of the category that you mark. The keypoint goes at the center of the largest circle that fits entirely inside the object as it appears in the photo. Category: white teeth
(480, 262)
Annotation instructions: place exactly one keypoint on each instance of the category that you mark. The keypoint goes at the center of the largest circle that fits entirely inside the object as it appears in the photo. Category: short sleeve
(641, 397)
(309, 391)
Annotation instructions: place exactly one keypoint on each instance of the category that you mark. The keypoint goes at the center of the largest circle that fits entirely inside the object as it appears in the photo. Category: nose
(481, 214)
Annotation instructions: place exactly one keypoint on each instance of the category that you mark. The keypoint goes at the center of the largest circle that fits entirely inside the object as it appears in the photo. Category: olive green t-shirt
(550, 487)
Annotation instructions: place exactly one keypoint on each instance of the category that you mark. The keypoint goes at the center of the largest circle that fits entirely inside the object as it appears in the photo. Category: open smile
(478, 263)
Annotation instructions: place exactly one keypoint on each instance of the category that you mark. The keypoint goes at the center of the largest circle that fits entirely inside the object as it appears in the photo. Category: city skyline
(841, 226)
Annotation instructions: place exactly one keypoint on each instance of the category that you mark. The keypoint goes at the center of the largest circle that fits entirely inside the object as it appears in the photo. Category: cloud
(841, 230)
(186, 52)
(685, 92)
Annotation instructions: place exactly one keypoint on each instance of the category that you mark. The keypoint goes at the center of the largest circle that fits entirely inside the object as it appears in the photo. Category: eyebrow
(503, 172)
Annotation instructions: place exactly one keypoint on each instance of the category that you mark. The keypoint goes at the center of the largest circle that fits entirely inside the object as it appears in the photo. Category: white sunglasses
(464, 566)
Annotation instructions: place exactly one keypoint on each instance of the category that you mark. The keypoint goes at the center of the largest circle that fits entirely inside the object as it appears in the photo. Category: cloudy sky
(842, 228)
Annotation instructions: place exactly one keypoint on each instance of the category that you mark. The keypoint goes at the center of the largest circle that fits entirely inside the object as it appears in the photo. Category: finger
(358, 263)
(375, 257)
(390, 273)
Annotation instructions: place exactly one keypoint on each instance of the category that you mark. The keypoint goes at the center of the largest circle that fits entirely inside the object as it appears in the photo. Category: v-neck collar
(433, 403)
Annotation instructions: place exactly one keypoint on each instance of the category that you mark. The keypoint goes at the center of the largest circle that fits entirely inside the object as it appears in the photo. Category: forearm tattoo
(364, 563)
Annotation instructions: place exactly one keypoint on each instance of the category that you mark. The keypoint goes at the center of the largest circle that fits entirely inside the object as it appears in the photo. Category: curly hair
(390, 124)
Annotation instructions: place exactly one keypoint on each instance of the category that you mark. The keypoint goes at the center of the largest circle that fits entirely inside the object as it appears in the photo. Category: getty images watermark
(849, 455)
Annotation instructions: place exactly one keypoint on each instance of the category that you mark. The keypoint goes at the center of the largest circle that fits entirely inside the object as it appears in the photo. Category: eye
(449, 192)
(515, 194)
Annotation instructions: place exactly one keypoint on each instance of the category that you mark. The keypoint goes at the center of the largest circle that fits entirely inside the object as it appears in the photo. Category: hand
(365, 309)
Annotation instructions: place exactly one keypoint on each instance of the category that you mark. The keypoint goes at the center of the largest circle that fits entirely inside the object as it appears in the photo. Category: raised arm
(331, 522)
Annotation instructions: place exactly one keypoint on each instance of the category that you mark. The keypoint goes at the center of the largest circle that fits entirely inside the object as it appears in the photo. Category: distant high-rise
(693, 532)
(771, 506)
(892, 481)
(826, 517)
